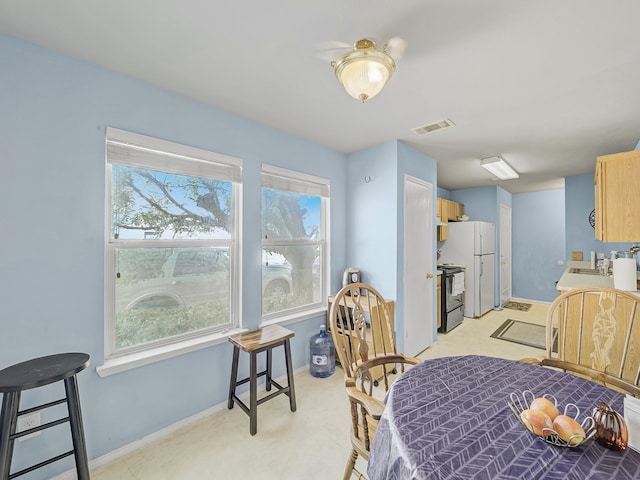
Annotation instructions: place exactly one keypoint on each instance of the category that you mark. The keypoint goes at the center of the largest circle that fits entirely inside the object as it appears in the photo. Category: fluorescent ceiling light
(498, 167)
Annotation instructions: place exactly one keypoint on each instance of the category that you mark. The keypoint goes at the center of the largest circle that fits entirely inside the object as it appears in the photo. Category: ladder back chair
(598, 337)
(363, 334)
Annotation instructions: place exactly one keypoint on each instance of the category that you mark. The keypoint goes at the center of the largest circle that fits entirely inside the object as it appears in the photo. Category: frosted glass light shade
(364, 71)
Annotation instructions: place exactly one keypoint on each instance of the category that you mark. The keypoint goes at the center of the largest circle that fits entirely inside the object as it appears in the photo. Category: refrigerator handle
(481, 267)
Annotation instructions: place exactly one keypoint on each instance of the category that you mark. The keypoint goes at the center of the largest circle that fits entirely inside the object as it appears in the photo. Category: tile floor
(313, 442)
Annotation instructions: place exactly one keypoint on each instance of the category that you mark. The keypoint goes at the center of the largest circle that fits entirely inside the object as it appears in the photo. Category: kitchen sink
(585, 271)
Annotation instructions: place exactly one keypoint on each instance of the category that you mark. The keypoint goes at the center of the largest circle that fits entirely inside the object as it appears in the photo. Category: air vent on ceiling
(433, 127)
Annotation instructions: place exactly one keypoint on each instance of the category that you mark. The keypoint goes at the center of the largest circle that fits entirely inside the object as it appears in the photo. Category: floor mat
(521, 306)
(525, 333)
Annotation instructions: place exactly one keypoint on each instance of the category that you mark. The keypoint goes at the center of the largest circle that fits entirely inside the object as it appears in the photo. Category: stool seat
(37, 373)
(253, 342)
(42, 371)
(261, 338)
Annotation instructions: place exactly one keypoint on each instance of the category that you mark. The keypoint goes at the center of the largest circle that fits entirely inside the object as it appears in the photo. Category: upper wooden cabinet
(457, 210)
(443, 233)
(617, 189)
(440, 209)
(448, 210)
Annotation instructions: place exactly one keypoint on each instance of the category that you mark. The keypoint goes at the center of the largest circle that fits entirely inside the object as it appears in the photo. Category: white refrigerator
(472, 245)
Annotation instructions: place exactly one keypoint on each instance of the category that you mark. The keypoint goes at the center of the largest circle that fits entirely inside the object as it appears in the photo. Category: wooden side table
(38, 373)
(261, 340)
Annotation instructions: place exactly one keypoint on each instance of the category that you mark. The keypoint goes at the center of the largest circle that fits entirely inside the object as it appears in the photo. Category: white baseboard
(155, 436)
(526, 300)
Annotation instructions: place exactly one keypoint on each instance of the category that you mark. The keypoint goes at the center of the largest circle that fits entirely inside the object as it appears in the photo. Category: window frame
(286, 180)
(165, 156)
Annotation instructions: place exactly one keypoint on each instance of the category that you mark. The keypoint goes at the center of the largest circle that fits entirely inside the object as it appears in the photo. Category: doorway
(419, 276)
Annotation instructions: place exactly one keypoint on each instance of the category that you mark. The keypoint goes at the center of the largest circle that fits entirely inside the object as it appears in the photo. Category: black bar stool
(254, 342)
(38, 373)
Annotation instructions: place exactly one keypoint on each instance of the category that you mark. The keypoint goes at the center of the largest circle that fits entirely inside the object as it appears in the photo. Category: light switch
(576, 256)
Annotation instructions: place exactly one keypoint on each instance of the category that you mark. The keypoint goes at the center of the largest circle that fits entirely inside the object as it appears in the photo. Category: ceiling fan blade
(333, 45)
(396, 47)
(332, 50)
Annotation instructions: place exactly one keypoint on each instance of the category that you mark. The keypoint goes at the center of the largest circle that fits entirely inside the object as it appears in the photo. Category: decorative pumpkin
(611, 429)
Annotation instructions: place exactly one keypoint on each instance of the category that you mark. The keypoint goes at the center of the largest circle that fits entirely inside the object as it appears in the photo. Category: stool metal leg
(77, 429)
(253, 394)
(8, 422)
(234, 376)
(292, 391)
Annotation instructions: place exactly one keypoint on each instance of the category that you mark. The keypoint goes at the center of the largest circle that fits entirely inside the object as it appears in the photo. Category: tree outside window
(171, 249)
(293, 240)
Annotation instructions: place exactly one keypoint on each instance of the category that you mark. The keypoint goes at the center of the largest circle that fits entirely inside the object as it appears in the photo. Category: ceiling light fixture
(498, 167)
(365, 70)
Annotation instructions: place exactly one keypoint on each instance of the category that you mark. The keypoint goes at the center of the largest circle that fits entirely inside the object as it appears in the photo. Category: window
(172, 242)
(294, 241)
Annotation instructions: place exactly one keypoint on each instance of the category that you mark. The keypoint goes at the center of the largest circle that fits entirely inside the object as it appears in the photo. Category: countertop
(569, 281)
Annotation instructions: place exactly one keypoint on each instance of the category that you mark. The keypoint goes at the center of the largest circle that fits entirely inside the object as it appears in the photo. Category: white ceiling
(546, 84)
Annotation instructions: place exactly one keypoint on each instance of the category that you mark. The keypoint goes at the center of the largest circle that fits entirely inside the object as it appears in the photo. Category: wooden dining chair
(363, 334)
(598, 337)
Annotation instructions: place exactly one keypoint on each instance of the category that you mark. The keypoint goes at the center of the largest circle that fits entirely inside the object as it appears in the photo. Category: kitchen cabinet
(455, 210)
(617, 196)
(440, 210)
(443, 232)
(448, 210)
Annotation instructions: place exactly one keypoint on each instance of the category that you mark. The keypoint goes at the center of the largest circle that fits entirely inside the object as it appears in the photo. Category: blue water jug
(323, 354)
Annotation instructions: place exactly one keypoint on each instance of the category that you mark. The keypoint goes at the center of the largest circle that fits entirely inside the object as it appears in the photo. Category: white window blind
(131, 149)
(276, 178)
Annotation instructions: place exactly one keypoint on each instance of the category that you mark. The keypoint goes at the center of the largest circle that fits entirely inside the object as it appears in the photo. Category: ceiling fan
(364, 70)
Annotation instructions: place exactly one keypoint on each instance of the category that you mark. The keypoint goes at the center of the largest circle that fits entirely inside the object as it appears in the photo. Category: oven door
(453, 318)
(451, 302)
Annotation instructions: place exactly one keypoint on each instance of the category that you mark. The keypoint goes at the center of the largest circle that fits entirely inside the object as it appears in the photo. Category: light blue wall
(375, 225)
(538, 244)
(52, 191)
(442, 193)
(482, 204)
(479, 203)
(504, 198)
(580, 201)
(372, 236)
(535, 251)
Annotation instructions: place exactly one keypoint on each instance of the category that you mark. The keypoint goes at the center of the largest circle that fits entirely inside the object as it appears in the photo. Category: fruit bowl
(520, 402)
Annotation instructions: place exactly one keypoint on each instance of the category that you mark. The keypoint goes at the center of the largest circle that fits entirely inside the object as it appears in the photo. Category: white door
(419, 274)
(505, 254)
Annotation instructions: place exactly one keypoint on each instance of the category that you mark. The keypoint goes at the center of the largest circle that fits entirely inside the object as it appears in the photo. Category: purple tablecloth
(448, 418)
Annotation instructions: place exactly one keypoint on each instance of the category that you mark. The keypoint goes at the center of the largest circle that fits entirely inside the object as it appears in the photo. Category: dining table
(449, 418)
